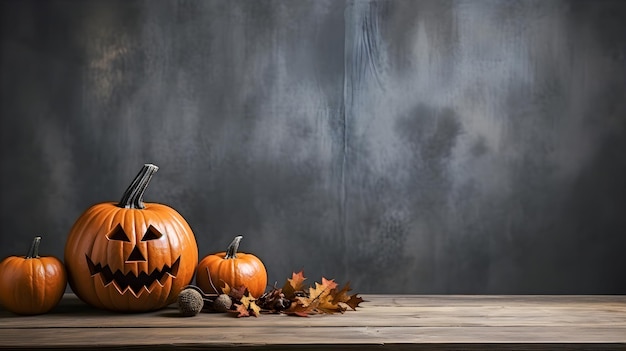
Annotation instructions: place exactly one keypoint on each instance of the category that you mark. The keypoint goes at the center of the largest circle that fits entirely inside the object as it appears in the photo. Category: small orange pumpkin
(131, 256)
(233, 268)
(31, 284)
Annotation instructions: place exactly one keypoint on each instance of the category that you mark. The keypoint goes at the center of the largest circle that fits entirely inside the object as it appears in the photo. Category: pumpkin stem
(34, 248)
(231, 252)
(133, 196)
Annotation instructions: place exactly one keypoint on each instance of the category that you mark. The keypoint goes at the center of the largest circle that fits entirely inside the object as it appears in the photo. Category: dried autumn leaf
(226, 288)
(327, 306)
(329, 284)
(297, 309)
(319, 297)
(297, 300)
(294, 284)
(341, 296)
(354, 301)
(273, 301)
(236, 293)
(247, 304)
(256, 310)
(242, 310)
(331, 302)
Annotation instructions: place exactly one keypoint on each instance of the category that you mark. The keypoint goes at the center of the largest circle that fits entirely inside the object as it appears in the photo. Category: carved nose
(135, 256)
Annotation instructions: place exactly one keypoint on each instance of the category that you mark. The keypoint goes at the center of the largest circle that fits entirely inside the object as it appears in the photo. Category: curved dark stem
(133, 196)
(231, 252)
(211, 280)
(206, 297)
(34, 248)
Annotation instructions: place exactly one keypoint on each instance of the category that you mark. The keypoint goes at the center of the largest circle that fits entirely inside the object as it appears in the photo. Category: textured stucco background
(406, 146)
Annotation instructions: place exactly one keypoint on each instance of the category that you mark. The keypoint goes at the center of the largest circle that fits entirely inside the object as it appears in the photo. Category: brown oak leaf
(354, 301)
(342, 296)
(234, 292)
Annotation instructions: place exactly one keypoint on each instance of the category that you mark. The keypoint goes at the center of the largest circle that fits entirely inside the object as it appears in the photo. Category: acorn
(222, 303)
(190, 302)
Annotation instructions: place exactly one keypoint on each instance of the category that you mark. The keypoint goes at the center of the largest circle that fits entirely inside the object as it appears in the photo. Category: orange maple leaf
(319, 298)
(298, 309)
(243, 310)
(294, 284)
(247, 305)
(330, 284)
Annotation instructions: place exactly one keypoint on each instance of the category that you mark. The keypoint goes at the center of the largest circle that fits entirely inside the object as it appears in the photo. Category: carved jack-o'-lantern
(130, 256)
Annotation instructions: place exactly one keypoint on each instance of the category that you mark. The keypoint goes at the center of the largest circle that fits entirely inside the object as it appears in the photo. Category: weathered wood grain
(385, 321)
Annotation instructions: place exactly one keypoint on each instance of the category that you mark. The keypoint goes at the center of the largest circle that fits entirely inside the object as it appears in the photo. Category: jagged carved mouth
(129, 281)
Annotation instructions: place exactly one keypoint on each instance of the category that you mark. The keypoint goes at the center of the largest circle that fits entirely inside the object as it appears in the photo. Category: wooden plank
(381, 311)
(298, 335)
(398, 321)
(374, 318)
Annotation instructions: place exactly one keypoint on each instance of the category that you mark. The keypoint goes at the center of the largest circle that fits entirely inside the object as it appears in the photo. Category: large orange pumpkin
(130, 256)
(31, 284)
(234, 268)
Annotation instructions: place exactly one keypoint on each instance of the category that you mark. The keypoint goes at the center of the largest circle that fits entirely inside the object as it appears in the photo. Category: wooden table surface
(394, 322)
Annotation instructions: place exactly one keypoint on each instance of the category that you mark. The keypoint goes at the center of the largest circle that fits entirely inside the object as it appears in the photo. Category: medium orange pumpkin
(234, 268)
(131, 256)
(31, 284)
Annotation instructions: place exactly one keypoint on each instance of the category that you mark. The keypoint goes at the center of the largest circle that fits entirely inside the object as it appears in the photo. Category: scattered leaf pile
(295, 298)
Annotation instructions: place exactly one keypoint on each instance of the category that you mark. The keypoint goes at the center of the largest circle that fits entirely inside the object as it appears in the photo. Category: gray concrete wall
(405, 146)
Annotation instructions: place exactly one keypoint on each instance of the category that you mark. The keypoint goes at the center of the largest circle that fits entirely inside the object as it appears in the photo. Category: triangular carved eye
(151, 234)
(118, 234)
